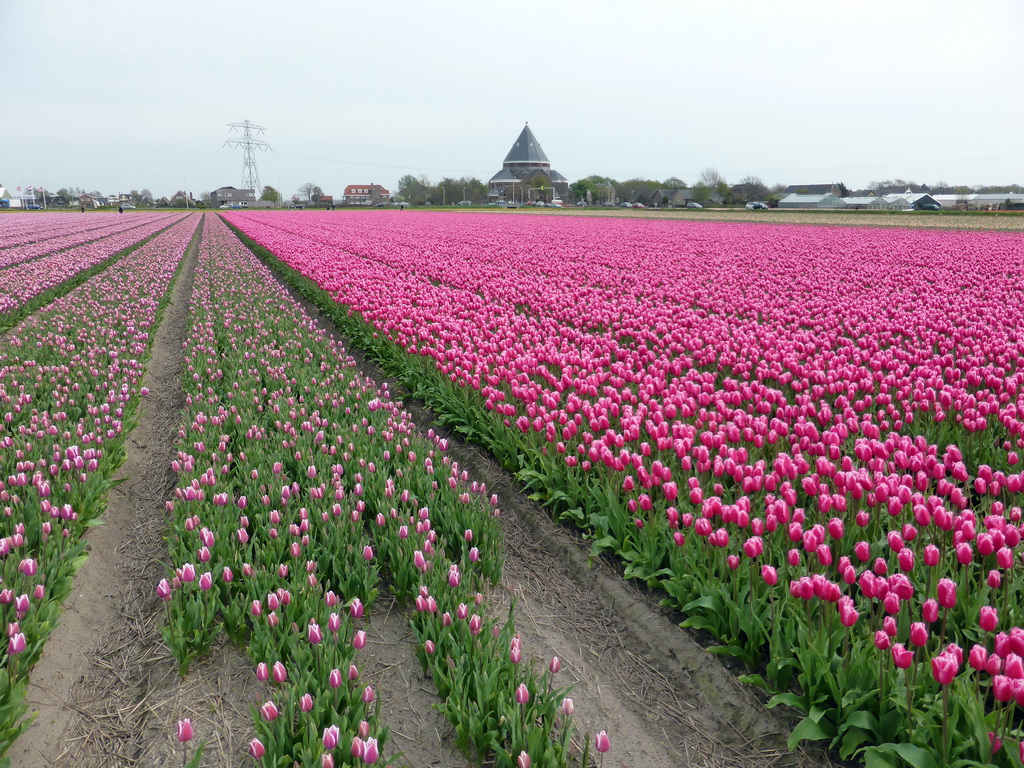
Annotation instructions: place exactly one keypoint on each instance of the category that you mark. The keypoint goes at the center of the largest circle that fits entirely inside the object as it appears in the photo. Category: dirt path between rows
(86, 686)
(108, 693)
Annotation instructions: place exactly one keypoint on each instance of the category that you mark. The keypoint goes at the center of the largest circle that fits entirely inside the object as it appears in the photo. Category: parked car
(756, 206)
(34, 207)
(581, 204)
(465, 202)
(931, 207)
(298, 207)
(627, 205)
(692, 204)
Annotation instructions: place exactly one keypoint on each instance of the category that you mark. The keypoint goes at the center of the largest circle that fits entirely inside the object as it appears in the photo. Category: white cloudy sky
(115, 95)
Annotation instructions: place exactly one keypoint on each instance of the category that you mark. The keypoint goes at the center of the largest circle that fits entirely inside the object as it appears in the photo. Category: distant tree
(145, 196)
(750, 188)
(414, 189)
(710, 178)
(721, 192)
(136, 196)
(473, 189)
(637, 190)
(583, 190)
(206, 199)
(311, 192)
(674, 182)
(701, 193)
(270, 194)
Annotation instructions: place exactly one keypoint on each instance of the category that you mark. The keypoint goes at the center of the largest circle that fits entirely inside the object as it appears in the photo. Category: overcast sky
(113, 96)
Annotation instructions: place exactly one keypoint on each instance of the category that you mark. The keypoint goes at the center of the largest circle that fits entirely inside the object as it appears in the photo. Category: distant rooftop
(526, 149)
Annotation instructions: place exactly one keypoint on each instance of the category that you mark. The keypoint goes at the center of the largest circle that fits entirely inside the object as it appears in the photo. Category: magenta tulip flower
(946, 592)
(944, 668)
(989, 618)
(901, 657)
(370, 753)
(256, 749)
(522, 694)
(184, 730)
(331, 737)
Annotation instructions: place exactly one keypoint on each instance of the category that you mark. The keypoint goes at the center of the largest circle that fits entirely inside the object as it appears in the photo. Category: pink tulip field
(69, 392)
(302, 492)
(807, 438)
(803, 440)
(36, 262)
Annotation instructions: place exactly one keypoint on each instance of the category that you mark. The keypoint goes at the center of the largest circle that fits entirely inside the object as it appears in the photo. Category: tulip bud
(989, 618)
(331, 736)
(370, 752)
(184, 730)
(918, 634)
(601, 741)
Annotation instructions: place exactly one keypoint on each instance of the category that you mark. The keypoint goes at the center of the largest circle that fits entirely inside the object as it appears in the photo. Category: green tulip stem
(910, 705)
(945, 725)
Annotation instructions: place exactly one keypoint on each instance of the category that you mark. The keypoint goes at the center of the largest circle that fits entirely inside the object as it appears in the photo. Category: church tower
(526, 173)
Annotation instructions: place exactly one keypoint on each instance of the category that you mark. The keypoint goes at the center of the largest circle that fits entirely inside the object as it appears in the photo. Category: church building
(526, 173)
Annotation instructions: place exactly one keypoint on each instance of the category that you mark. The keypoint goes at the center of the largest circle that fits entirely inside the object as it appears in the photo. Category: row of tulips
(809, 459)
(33, 283)
(18, 231)
(60, 232)
(69, 391)
(303, 490)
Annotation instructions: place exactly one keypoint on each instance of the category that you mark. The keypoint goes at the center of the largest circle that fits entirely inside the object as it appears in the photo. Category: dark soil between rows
(108, 693)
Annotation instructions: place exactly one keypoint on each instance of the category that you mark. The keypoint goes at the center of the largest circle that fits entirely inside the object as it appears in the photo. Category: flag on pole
(19, 189)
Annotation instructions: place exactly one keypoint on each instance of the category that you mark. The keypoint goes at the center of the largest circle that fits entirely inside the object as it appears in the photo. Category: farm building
(243, 198)
(863, 203)
(996, 201)
(815, 189)
(527, 168)
(811, 201)
(990, 201)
